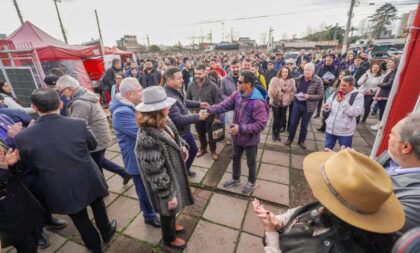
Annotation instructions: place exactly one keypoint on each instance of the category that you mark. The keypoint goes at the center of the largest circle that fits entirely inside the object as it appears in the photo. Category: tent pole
(100, 38)
(61, 23)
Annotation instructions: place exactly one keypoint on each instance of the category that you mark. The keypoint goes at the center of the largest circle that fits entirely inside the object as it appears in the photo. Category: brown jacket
(315, 92)
(281, 91)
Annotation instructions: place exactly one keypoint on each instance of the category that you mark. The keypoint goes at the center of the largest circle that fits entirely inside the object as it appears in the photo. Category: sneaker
(43, 241)
(248, 188)
(376, 126)
(231, 183)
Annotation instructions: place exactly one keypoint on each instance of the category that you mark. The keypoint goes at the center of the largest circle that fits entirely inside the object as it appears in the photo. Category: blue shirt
(394, 169)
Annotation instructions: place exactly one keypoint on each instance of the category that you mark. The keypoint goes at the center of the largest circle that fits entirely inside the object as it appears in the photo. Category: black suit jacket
(65, 175)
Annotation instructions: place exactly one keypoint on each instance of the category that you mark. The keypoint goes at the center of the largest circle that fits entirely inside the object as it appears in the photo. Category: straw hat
(154, 99)
(354, 188)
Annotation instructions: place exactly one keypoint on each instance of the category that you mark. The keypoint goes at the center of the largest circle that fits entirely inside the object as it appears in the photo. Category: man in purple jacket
(249, 120)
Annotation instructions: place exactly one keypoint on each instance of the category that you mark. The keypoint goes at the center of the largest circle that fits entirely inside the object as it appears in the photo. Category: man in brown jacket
(309, 90)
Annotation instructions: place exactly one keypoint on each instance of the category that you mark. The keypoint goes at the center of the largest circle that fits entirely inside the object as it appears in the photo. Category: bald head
(131, 90)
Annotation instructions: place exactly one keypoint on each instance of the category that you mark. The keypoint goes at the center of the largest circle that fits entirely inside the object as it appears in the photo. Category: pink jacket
(281, 91)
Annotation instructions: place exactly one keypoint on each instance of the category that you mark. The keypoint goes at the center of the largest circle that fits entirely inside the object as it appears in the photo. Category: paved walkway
(221, 219)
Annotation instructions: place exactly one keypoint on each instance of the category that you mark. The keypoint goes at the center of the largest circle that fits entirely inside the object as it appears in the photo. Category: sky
(167, 22)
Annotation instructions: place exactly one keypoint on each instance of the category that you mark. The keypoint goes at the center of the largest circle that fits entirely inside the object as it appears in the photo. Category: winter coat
(65, 175)
(261, 80)
(85, 105)
(386, 85)
(228, 86)
(16, 115)
(179, 111)
(125, 128)
(368, 83)
(270, 74)
(109, 77)
(315, 92)
(150, 79)
(324, 70)
(250, 113)
(342, 118)
(281, 92)
(163, 170)
(357, 72)
(187, 76)
(208, 93)
(297, 73)
(12, 104)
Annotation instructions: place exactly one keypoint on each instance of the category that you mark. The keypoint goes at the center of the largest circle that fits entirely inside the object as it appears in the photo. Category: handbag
(218, 131)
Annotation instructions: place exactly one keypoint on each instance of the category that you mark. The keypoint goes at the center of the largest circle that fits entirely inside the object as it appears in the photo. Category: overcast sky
(167, 22)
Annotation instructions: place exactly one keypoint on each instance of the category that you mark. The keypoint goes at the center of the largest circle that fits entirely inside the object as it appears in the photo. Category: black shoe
(108, 235)
(282, 129)
(278, 138)
(317, 116)
(54, 223)
(321, 129)
(288, 143)
(155, 222)
(106, 194)
(274, 137)
(191, 173)
(126, 179)
(43, 241)
(302, 145)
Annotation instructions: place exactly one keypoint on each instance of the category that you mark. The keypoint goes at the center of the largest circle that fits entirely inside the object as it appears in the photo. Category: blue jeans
(103, 163)
(299, 112)
(331, 139)
(192, 151)
(145, 205)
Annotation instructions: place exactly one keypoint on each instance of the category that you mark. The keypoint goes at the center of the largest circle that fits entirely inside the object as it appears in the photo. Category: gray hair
(409, 131)
(128, 84)
(349, 79)
(310, 66)
(290, 60)
(67, 82)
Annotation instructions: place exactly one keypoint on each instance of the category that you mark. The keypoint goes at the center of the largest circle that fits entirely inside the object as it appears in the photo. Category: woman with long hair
(368, 86)
(10, 100)
(328, 92)
(161, 155)
(281, 90)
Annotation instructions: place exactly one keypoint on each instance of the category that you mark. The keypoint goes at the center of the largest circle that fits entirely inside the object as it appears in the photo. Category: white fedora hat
(154, 99)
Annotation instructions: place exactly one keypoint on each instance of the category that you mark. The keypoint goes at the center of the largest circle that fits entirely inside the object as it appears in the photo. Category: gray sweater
(208, 93)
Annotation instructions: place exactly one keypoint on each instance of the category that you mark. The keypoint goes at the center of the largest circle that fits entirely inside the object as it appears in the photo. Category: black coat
(57, 149)
(109, 78)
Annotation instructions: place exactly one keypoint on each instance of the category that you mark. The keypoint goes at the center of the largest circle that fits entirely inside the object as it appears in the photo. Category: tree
(383, 17)
(329, 33)
(154, 48)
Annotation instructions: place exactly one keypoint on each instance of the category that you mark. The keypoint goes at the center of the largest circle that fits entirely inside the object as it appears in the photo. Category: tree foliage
(154, 48)
(329, 33)
(383, 17)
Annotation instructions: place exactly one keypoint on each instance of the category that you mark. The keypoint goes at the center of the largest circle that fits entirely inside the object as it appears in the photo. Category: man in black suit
(57, 149)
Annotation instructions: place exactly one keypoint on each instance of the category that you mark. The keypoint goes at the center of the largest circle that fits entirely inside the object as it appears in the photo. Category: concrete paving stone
(201, 197)
(211, 238)
(115, 148)
(110, 198)
(252, 225)
(249, 243)
(115, 184)
(69, 229)
(320, 136)
(201, 173)
(271, 142)
(131, 192)
(71, 247)
(259, 155)
(140, 230)
(108, 174)
(123, 210)
(233, 210)
(56, 242)
(363, 150)
(263, 138)
(188, 222)
(300, 191)
(274, 157)
(111, 154)
(297, 161)
(128, 245)
(205, 161)
(119, 161)
(274, 192)
(310, 146)
(359, 141)
(244, 167)
(236, 189)
(278, 174)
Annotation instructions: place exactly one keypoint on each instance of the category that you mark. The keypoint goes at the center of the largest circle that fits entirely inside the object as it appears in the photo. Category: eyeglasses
(241, 82)
(290, 63)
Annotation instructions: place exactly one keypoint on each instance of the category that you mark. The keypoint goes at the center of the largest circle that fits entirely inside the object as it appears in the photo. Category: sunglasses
(241, 82)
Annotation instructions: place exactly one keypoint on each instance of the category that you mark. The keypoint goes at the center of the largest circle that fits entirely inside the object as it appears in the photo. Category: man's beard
(235, 73)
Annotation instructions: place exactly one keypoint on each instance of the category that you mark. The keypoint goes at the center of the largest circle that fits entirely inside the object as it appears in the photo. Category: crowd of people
(153, 103)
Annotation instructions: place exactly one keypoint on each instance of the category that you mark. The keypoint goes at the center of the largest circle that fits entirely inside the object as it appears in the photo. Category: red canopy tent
(55, 53)
(406, 89)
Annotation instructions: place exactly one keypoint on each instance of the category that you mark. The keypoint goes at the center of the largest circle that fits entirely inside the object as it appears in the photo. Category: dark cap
(50, 80)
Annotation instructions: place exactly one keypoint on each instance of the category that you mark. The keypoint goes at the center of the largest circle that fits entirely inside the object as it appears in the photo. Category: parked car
(291, 55)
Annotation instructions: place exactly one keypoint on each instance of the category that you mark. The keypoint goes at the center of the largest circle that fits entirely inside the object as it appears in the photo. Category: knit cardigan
(162, 168)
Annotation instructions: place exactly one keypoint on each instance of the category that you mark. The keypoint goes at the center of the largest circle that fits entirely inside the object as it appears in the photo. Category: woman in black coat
(21, 215)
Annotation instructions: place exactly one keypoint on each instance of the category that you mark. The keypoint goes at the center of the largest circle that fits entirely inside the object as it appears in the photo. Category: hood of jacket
(258, 93)
(85, 95)
(118, 102)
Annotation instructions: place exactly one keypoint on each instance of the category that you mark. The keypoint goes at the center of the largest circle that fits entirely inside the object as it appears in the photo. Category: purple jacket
(250, 113)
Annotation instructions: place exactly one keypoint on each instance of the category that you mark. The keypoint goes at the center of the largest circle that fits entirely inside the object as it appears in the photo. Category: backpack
(351, 101)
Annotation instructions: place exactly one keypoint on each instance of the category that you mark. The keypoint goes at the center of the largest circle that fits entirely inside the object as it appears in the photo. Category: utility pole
(270, 39)
(231, 34)
(18, 11)
(61, 22)
(211, 37)
(223, 32)
(99, 27)
(346, 34)
(148, 41)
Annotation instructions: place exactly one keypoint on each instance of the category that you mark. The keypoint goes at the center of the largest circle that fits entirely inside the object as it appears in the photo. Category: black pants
(168, 228)
(290, 116)
(204, 128)
(85, 227)
(382, 105)
(251, 157)
(29, 244)
(279, 118)
(103, 163)
(368, 103)
(318, 107)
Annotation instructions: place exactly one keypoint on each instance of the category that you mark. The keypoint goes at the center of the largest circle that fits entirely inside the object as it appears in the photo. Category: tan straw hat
(354, 188)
